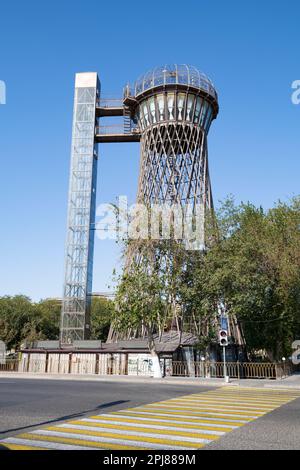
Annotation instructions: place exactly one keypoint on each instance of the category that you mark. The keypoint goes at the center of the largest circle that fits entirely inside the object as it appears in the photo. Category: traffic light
(223, 338)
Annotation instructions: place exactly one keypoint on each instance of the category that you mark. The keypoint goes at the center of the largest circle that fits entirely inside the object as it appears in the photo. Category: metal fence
(10, 365)
(116, 366)
(238, 370)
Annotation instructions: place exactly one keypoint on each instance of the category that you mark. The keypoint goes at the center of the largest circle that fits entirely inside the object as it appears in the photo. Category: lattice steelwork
(173, 107)
(81, 212)
(174, 165)
(176, 105)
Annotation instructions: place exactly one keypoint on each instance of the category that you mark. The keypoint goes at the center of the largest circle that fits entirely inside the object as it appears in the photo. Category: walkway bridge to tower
(121, 132)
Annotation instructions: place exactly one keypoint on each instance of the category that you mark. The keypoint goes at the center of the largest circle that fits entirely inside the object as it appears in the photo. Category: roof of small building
(167, 342)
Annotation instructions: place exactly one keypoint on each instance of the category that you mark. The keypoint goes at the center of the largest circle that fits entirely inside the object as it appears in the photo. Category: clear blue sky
(250, 49)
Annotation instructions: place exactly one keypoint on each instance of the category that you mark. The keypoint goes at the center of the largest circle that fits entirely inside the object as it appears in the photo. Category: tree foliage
(22, 320)
(252, 263)
(102, 312)
(255, 266)
(140, 297)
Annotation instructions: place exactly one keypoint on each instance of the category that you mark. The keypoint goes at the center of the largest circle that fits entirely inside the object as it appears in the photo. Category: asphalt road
(278, 430)
(27, 404)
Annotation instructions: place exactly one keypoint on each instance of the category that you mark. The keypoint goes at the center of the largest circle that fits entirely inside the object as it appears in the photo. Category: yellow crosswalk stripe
(229, 404)
(75, 441)
(253, 398)
(254, 401)
(153, 430)
(191, 418)
(169, 423)
(125, 436)
(186, 422)
(263, 390)
(188, 414)
(225, 408)
(192, 411)
(267, 395)
(250, 399)
(246, 396)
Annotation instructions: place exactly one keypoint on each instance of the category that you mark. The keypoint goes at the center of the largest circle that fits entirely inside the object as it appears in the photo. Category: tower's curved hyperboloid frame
(175, 107)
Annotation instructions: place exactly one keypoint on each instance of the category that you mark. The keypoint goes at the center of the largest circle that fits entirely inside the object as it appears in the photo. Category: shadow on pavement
(64, 418)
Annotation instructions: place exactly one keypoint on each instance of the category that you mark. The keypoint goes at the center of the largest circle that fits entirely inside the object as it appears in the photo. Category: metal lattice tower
(81, 212)
(169, 110)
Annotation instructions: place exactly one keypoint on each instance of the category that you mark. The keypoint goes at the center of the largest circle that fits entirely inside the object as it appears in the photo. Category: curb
(164, 381)
(116, 379)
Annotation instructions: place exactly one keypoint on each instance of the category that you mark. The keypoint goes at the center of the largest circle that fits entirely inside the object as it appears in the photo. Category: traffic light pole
(224, 360)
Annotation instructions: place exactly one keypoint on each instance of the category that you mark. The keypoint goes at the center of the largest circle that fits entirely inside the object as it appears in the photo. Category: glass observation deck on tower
(173, 74)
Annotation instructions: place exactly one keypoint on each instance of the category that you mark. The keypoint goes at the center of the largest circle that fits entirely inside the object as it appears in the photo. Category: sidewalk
(292, 382)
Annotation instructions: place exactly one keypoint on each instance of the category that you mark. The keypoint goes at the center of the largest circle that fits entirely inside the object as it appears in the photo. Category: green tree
(48, 318)
(102, 312)
(254, 265)
(22, 320)
(15, 316)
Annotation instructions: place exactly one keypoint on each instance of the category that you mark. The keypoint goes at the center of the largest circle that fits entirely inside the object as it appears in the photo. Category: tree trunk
(155, 359)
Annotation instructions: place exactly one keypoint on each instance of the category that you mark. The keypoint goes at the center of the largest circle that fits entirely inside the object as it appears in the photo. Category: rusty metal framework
(174, 165)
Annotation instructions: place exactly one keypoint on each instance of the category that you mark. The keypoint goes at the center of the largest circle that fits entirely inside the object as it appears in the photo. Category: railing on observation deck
(169, 78)
(115, 129)
(111, 102)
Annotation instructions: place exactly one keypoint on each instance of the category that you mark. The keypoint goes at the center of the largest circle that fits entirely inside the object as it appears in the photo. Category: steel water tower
(174, 106)
(169, 110)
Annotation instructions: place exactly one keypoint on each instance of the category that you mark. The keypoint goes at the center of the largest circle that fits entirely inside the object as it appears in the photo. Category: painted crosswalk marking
(182, 423)
(161, 424)
(192, 418)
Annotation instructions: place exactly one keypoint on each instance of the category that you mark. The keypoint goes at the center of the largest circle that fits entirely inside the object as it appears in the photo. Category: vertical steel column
(75, 315)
